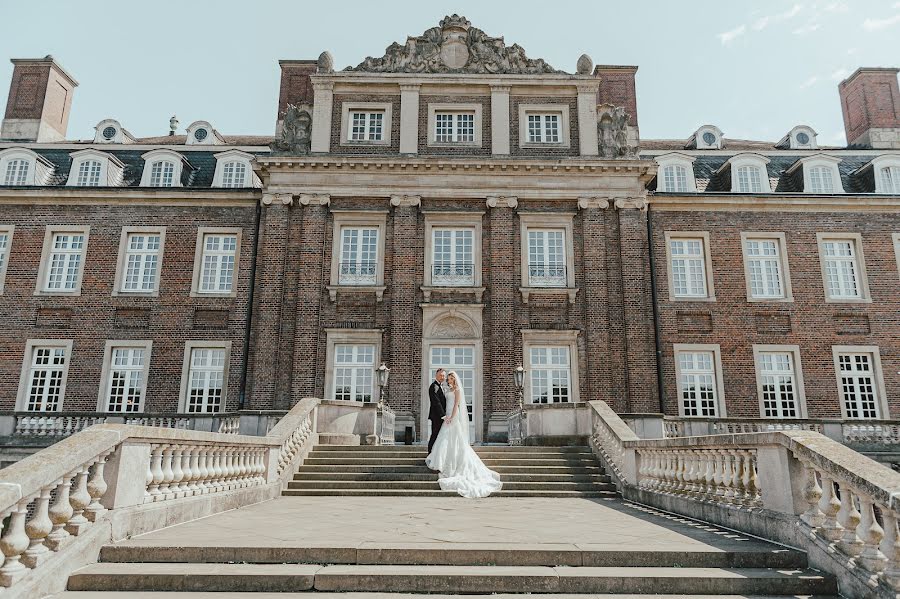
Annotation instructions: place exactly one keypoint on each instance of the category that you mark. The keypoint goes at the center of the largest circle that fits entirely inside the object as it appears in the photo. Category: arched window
(749, 179)
(162, 173)
(89, 173)
(890, 179)
(676, 173)
(674, 178)
(821, 180)
(234, 174)
(234, 170)
(162, 168)
(17, 172)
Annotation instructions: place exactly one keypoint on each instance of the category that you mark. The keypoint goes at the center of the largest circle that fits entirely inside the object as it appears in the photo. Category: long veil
(462, 414)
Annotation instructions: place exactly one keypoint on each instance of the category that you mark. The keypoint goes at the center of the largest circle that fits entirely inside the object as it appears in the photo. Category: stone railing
(796, 487)
(58, 426)
(112, 481)
(386, 424)
(517, 426)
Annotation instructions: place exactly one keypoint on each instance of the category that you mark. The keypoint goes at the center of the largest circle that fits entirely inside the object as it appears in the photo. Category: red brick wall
(617, 88)
(365, 148)
(569, 104)
(425, 134)
(869, 98)
(296, 86)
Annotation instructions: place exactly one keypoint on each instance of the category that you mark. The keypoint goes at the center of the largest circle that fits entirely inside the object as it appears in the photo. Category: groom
(438, 411)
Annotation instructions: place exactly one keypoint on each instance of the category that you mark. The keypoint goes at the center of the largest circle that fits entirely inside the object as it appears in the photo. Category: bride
(460, 467)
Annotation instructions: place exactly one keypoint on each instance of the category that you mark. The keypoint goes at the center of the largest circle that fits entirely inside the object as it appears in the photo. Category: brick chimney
(617, 88)
(870, 100)
(40, 99)
(296, 86)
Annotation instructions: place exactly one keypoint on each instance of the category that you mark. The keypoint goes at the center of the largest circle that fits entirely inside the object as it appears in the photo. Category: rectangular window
(142, 258)
(5, 243)
(859, 385)
(88, 173)
(546, 258)
(778, 384)
(543, 128)
(359, 253)
(764, 268)
(841, 267)
(452, 260)
(206, 380)
(688, 265)
(16, 172)
(749, 179)
(125, 378)
(821, 180)
(550, 374)
(366, 126)
(46, 374)
(675, 178)
(697, 383)
(454, 127)
(354, 370)
(65, 262)
(218, 259)
(162, 174)
(234, 174)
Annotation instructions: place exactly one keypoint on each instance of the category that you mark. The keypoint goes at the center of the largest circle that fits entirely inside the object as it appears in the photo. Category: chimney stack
(40, 99)
(296, 86)
(870, 101)
(617, 88)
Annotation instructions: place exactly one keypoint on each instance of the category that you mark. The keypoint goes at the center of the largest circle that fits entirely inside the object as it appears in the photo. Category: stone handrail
(124, 479)
(868, 432)
(386, 425)
(516, 426)
(60, 425)
(845, 505)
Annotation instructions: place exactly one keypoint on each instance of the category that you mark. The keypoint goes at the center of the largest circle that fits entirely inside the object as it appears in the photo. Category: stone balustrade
(517, 426)
(794, 486)
(61, 425)
(386, 422)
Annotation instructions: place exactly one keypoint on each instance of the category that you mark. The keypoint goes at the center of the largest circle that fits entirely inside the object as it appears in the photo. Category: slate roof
(731, 145)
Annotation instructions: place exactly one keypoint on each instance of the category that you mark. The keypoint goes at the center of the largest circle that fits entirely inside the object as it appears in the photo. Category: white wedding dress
(461, 469)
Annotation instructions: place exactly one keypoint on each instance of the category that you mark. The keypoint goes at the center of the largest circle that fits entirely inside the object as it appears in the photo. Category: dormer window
(17, 171)
(88, 173)
(201, 132)
(109, 131)
(161, 173)
(20, 166)
(91, 168)
(800, 137)
(676, 174)
(233, 170)
(748, 173)
(886, 171)
(820, 174)
(821, 180)
(162, 168)
(707, 137)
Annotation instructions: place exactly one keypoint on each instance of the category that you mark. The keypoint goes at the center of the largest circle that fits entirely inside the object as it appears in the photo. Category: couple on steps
(449, 452)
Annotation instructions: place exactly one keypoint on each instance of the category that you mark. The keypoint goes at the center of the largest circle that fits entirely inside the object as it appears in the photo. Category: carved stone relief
(452, 327)
(296, 132)
(612, 133)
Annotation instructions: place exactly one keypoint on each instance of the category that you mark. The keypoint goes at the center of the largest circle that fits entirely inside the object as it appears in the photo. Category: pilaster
(500, 120)
(503, 335)
(409, 118)
(323, 99)
(587, 118)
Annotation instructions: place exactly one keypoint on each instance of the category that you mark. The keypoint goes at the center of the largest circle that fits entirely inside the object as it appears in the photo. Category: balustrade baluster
(203, 470)
(749, 477)
(687, 474)
(812, 493)
(727, 476)
(218, 470)
(737, 492)
(165, 487)
(890, 546)
(871, 534)
(60, 513)
(191, 455)
(13, 542)
(97, 489)
(79, 498)
(37, 530)
(849, 518)
(829, 505)
(153, 489)
(177, 473)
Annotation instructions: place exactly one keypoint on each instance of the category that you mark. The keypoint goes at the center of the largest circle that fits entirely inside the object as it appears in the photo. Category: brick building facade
(453, 204)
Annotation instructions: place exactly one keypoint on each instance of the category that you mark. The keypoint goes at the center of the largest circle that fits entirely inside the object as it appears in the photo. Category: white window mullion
(359, 256)
(206, 380)
(45, 378)
(142, 252)
(218, 263)
(688, 263)
(764, 268)
(547, 258)
(550, 374)
(65, 262)
(698, 388)
(354, 370)
(841, 269)
(858, 385)
(778, 385)
(125, 389)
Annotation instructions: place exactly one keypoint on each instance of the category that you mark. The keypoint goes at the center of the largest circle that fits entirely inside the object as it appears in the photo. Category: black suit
(436, 412)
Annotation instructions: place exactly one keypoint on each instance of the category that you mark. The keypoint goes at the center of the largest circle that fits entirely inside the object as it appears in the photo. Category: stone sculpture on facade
(454, 47)
(296, 132)
(612, 133)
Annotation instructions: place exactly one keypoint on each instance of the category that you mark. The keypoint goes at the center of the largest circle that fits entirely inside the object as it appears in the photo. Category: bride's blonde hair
(452, 377)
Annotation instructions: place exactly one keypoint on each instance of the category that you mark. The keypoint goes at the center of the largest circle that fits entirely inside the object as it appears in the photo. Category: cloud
(729, 36)
(809, 82)
(805, 29)
(879, 24)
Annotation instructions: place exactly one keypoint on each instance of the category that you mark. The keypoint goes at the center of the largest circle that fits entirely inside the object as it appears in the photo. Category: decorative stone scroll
(612, 133)
(454, 47)
(502, 202)
(593, 202)
(315, 199)
(285, 199)
(406, 201)
(296, 132)
(639, 203)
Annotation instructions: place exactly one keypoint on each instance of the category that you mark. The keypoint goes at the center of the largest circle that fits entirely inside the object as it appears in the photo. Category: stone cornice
(502, 202)
(169, 196)
(774, 202)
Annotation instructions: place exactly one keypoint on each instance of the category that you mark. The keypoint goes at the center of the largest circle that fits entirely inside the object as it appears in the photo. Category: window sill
(365, 143)
(44, 293)
(378, 290)
(842, 300)
(571, 292)
(688, 300)
(140, 293)
(543, 145)
(454, 144)
(211, 294)
(770, 300)
(478, 292)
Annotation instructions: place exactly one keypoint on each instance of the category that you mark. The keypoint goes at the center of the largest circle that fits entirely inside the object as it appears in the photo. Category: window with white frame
(47, 365)
(21, 166)
(544, 127)
(17, 171)
(766, 279)
(674, 178)
(359, 255)
(550, 372)
(234, 174)
(687, 263)
(890, 179)
(217, 262)
(162, 173)
(125, 378)
(141, 262)
(354, 370)
(779, 385)
(452, 262)
(547, 258)
(65, 261)
(859, 384)
(89, 173)
(676, 173)
(205, 391)
(366, 125)
(454, 127)
(841, 268)
(821, 180)
(698, 385)
(749, 179)
(5, 243)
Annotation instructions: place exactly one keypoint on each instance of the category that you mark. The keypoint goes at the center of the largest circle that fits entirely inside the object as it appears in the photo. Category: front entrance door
(461, 359)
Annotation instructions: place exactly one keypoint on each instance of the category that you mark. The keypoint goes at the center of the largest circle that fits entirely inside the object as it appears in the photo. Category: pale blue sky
(755, 69)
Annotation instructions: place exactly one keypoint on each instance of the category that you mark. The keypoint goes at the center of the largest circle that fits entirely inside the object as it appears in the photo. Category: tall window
(543, 128)
(234, 174)
(65, 262)
(546, 258)
(162, 174)
(354, 369)
(856, 373)
(142, 252)
(550, 374)
(217, 263)
(45, 378)
(764, 268)
(206, 380)
(359, 252)
(452, 261)
(675, 178)
(749, 179)
(4, 254)
(17, 172)
(688, 263)
(367, 126)
(88, 173)
(454, 127)
(841, 269)
(890, 179)
(697, 386)
(125, 387)
(778, 384)
(821, 180)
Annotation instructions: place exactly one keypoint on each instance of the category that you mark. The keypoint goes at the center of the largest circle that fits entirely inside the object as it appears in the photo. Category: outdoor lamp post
(383, 372)
(519, 378)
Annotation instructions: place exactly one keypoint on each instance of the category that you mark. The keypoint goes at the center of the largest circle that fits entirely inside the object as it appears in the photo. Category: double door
(459, 358)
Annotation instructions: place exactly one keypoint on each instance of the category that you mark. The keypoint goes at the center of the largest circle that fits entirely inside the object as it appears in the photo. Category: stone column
(323, 100)
(503, 337)
(405, 335)
(500, 120)
(587, 117)
(307, 364)
(617, 350)
(409, 118)
(643, 393)
(265, 338)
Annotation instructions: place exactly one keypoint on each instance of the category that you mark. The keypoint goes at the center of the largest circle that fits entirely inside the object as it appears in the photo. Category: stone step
(456, 554)
(314, 461)
(477, 448)
(421, 468)
(431, 476)
(433, 485)
(323, 595)
(484, 455)
(445, 579)
(427, 493)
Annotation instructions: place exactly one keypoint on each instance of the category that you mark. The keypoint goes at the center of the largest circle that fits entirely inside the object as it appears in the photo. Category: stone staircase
(344, 470)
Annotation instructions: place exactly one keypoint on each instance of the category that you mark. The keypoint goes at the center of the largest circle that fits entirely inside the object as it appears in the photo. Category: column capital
(639, 203)
(500, 88)
(502, 202)
(315, 199)
(405, 201)
(285, 199)
(585, 203)
(410, 87)
(323, 85)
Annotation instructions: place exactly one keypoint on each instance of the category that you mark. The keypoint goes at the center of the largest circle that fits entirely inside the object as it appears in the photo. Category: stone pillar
(503, 338)
(322, 108)
(265, 340)
(409, 118)
(405, 336)
(643, 393)
(587, 118)
(500, 120)
(617, 350)
(307, 365)
(595, 293)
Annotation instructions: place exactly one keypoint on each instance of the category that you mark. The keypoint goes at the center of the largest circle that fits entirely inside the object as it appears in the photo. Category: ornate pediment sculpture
(613, 133)
(454, 47)
(296, 132)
